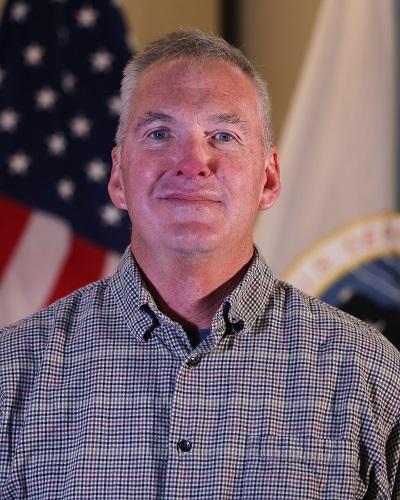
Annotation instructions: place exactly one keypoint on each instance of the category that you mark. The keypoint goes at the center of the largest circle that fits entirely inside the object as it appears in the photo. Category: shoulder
(61, 311)
(327, 322)
(343, 339)
(23, 343)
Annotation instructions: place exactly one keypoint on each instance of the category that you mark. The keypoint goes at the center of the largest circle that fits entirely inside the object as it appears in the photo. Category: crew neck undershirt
(196, 336)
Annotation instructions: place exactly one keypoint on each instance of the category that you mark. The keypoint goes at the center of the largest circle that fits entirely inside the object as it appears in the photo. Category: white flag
(338, 147)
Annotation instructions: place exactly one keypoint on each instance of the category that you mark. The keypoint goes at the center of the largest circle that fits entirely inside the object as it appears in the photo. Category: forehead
(196, 83)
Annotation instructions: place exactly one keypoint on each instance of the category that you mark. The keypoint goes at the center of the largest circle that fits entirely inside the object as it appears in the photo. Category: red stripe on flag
(13, 219)
(83, 264)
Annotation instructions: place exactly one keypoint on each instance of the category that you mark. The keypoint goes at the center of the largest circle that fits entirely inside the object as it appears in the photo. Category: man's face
(192, 172)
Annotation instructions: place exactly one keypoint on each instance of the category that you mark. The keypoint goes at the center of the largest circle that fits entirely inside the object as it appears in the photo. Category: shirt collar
(133, 299)
(236, 314)
(247, 301)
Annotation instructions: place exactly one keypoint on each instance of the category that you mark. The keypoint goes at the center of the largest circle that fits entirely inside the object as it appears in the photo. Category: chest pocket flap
(299, 467)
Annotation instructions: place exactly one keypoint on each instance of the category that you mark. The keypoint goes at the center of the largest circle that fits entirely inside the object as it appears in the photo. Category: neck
(189, 289)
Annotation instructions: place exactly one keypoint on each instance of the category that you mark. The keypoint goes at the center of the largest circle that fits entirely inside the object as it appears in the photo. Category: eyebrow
(230, 118)
(152, 116)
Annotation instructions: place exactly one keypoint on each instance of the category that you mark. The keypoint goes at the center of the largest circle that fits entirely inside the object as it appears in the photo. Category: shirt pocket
(291, 467)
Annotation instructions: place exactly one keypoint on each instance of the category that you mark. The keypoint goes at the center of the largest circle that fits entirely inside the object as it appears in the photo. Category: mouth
(191, 197)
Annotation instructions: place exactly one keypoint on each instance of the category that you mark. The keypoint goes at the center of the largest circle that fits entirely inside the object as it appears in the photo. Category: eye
(159, 134)
(224, 136)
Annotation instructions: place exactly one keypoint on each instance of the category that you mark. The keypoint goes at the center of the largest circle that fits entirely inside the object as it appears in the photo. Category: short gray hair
(193, 44)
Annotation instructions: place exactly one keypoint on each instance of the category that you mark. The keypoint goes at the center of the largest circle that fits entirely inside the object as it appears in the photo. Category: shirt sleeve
(10, 426)
(17, 362)
(389, 388)
(4, 441)
(393, 460)
(383, 437)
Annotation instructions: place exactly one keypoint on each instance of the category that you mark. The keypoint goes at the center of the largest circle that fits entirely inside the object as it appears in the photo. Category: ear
(272, 186)
(115, 184)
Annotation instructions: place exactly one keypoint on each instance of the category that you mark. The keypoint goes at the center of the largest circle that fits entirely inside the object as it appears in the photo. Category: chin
(196, 241)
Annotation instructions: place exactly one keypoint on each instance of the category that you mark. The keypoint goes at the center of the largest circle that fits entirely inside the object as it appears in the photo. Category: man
(192, 372)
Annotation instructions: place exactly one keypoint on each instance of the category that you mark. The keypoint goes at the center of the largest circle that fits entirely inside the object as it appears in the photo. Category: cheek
(250, 193)
(147, 166)
(248, 180)
(134, 188)
(137, 176)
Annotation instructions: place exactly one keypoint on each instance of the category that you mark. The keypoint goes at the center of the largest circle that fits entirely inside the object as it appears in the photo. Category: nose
(193, 159)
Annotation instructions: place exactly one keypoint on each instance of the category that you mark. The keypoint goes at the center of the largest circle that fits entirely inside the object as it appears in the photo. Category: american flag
(60, 68)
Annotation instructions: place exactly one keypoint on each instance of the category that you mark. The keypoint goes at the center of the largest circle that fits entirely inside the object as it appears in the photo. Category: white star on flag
(96, 170)
(101, 61)
(68, 82)
(346, 294)
(86, 17)
(56, 133)
(46, 98)
(110, 215)
(33, 54)
(80, 126)
(19, 12)
(66, 189)
(8, 120)
(114, 105)
(56, 144)
(19, 163)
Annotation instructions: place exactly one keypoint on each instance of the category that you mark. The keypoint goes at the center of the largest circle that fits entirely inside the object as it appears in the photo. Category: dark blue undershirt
(196, 336)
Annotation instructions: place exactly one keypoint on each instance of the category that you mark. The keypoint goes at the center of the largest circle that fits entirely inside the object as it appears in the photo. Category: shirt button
(184, 445)
(193, 361)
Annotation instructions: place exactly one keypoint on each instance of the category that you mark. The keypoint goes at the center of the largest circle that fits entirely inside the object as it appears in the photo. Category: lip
(193, 197)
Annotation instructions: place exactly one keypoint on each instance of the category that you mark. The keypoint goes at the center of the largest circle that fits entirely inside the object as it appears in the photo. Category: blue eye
(224, 136)
(159, 134)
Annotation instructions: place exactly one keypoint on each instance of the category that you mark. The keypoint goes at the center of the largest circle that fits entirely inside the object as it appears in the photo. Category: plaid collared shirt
(102, 397)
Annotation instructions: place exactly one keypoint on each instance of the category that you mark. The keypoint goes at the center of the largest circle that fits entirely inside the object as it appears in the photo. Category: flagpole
(397, 125)
(230, 25)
